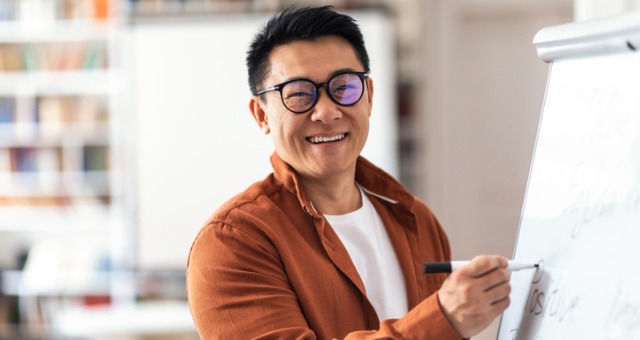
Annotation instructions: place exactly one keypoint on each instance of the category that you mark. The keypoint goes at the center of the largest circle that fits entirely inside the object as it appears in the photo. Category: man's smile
(327, 139)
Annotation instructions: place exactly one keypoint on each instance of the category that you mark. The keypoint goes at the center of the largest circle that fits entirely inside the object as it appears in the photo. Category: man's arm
(469, 300)
(238, 290)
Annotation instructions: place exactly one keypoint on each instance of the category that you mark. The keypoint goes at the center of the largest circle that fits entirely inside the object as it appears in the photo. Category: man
(328, 245)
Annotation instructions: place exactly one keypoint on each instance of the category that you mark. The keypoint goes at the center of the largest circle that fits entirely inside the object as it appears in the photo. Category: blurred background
(124, 124)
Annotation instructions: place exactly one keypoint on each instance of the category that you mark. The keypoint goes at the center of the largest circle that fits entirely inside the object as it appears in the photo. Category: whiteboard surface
(581, 218)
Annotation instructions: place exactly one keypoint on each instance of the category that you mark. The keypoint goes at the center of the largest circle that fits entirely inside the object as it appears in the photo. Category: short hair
(295, 24)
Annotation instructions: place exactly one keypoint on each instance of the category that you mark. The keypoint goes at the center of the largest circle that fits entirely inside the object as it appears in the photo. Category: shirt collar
(373, 180)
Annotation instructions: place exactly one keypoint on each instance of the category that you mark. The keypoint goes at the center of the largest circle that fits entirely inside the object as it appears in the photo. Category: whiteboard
(196, 143)
(581, 216)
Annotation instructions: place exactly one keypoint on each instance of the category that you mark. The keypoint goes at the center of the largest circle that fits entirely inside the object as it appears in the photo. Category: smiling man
(328, 245)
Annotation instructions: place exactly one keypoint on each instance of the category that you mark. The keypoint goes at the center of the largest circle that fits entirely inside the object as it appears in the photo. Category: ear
(259, 114)
(370, 93)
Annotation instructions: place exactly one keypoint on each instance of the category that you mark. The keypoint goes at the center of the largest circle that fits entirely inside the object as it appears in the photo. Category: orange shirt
(267, 265)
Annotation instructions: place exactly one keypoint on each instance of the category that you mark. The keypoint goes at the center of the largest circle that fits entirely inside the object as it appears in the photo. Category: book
(5, 161)
(95, 158)
(54, 114)
(7, 107)
(10, 58)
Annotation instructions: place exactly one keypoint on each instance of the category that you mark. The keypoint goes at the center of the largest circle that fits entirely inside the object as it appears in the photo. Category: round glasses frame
(317, 86)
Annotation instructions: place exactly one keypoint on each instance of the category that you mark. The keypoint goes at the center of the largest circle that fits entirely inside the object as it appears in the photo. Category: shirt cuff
(427, 321)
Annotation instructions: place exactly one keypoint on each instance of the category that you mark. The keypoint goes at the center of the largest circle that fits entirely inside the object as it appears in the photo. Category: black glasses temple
(273, 88)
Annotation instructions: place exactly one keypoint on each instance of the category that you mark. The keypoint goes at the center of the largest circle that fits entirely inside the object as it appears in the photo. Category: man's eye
(299, 95)
(343, 88)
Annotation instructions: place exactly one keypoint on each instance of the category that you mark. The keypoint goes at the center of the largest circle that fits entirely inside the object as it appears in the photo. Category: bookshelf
(57, 88)
(60, 154)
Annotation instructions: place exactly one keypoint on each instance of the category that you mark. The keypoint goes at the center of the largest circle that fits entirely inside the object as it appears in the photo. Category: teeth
(317, 140)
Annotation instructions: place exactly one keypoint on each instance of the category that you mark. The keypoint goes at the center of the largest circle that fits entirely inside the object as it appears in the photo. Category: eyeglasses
(300, 95)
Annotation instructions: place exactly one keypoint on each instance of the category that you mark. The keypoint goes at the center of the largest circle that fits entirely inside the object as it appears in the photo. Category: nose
(325, 109)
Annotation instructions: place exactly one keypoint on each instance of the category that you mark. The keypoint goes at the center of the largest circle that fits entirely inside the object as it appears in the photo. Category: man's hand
(474, 295)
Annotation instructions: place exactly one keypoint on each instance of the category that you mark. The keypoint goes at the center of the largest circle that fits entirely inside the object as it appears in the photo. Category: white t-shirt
(365, 237)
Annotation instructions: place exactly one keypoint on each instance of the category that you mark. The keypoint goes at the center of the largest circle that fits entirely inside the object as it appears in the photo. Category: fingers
(494, 280)
(483, 264)
(475, 294)
(490, 275)
(498, 292)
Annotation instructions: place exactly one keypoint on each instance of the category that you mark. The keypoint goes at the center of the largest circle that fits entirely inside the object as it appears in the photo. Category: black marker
(448, 267)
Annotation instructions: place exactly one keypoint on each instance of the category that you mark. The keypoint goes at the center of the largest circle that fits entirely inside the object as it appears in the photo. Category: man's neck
(335, 196)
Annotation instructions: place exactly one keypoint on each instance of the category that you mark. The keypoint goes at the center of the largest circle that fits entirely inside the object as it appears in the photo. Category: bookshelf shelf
(89, 217)
(50, 134)
(57, 90)
(53, 183)
(85, 82)
(49, 31)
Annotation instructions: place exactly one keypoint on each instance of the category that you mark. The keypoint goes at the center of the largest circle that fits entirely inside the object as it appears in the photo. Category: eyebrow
(342, 70)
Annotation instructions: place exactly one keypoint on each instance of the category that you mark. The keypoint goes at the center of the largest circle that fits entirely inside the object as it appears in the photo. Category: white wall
(592, 9)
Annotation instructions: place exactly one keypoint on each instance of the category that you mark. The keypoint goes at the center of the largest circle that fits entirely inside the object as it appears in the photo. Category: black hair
(294, 24)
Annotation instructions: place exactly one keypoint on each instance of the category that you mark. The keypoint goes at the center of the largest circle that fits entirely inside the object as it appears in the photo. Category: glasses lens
(346, 89)
(299, 96)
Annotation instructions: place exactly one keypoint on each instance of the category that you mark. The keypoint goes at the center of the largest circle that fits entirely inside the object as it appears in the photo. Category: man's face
(342, 130)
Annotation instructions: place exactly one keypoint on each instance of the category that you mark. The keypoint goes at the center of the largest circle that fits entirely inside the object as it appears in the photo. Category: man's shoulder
(253, 197)
(266, 210)
(267, 200)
